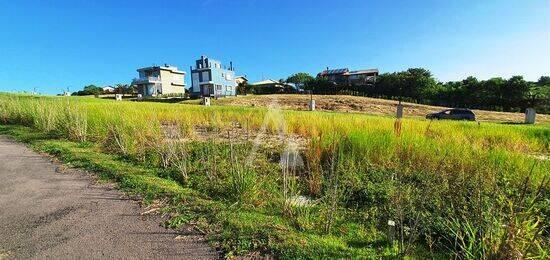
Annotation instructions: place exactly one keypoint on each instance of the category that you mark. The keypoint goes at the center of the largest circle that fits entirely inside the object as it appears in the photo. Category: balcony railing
(146, 80)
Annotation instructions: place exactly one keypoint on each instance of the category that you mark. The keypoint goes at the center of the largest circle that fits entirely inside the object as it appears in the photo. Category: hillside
(374, 106)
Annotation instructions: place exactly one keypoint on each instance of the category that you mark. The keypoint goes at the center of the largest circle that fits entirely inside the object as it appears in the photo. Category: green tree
(89, 90)
(319, 85)
(471, 89)
(514, 93)
(244, 88)
(417, 81)
(492, 95)
(300, 78)
(390, 85)
(544, 81)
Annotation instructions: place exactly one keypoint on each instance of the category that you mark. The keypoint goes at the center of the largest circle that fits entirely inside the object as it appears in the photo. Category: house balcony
(146, 80)
(206, 82)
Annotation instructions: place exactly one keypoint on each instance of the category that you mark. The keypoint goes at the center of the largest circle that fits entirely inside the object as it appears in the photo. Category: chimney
(231, 65)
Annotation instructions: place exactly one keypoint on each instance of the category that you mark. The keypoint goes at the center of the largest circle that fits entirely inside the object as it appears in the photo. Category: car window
(455, 112)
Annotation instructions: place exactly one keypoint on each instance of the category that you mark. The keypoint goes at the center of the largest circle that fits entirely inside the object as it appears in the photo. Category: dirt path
(48, 213)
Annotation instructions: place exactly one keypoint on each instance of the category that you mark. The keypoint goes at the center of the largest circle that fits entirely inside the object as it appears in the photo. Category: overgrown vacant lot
(373, 106)
(301, 184)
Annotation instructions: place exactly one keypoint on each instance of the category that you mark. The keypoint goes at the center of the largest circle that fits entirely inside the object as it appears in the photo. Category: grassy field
(372, 106)
(300, 184)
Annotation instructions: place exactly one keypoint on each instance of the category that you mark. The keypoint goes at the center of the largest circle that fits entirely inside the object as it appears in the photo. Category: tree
(124, 89)
(121, 88)
(419, 85)
(244, 88)
(471, 89)
(300, 78)
(544, 81)
(420, 81)
(319, 85)
(390, 85)
(492, 95)
(89, 90)
(514, 93)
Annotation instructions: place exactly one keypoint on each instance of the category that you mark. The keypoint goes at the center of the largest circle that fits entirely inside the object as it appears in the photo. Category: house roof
(334, 71)
(346, 71)
(265, 82)
(173, 69)
(243, 77)
(275, 83)
(367, 71)
(292, 85)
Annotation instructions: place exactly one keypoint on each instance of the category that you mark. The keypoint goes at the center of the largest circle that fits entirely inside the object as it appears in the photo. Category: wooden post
(399, 113)
(311, 101)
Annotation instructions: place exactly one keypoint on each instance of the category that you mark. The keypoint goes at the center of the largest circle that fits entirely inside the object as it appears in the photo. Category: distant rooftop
(335, 71)
(363, 71)
(346, 71)
(168, 67)
(265, 82)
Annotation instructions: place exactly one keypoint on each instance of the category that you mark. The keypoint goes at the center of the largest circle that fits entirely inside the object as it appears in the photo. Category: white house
(108, 89)
(160, 80)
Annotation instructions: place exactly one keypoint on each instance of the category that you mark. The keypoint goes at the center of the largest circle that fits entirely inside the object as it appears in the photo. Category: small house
(210, 79)
(160, 80)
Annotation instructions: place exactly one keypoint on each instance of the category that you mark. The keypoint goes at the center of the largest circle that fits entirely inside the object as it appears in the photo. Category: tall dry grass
(478, 190)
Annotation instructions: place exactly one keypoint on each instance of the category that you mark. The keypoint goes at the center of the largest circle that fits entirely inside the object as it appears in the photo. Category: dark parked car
(453, 114)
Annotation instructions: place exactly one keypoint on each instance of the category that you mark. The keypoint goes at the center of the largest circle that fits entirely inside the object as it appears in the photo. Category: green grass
(453, 188)
(235, 229)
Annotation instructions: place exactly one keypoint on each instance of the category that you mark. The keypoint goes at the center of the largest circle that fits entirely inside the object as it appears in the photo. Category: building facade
(211, 79)
(347, 77)
(241, 80)
(108, 90)
(160, 80)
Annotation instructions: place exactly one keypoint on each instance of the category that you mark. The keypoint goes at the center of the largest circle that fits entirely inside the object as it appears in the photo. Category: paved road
(49, 213)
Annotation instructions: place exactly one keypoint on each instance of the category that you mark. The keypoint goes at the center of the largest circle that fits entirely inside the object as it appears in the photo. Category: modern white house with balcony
(160, 80)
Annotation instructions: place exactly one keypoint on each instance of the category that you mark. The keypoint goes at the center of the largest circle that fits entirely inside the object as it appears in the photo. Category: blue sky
(51, 45)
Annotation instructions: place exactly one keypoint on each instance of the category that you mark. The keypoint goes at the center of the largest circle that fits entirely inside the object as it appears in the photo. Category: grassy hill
(373, 106)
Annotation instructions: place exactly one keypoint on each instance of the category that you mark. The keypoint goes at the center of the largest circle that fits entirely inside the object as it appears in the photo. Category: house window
(205, 76)
(229, 88)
